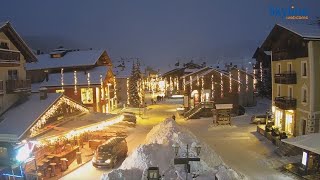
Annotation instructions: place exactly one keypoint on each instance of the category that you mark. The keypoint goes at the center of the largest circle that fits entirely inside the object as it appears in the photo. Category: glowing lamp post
(186, 158)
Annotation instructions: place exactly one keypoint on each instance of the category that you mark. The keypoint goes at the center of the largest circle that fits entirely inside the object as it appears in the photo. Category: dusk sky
(158, 32)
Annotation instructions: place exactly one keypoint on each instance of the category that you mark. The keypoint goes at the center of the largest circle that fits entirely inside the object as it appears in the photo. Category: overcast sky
(157, 31)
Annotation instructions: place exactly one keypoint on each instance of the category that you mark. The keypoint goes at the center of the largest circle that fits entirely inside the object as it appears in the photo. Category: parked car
(129, 117)
(258, 119)
(110, 152)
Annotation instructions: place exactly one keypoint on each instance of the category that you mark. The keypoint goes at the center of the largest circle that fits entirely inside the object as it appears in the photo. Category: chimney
(43, 91)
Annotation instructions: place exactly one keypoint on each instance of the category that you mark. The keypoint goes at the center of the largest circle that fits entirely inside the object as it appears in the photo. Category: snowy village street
(240, 146)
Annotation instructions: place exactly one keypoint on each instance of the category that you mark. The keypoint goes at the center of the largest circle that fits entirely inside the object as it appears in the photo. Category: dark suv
(108, 153)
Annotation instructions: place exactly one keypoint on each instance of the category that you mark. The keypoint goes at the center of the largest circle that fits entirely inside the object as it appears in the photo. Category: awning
(310, 142)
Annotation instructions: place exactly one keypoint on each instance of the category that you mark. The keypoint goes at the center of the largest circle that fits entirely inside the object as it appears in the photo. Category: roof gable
(14, 37)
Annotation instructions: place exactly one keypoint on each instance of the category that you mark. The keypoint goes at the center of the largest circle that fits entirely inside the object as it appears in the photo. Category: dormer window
(59, 52)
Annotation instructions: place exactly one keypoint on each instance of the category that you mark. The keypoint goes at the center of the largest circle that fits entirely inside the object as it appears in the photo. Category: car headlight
(108, 161)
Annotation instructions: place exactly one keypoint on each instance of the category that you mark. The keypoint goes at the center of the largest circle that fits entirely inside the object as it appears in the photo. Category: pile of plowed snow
(157, 151)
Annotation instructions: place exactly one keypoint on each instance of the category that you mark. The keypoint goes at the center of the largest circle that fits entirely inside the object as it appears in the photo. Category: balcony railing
(286, 78)
(9, 58)
(17, 86)
(1, 88)
(286, 103)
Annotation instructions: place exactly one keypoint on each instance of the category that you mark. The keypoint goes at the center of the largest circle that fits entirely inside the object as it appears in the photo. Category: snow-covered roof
(68, 78)
(193, 71)
(21, 117)
(77, 122)
(308, 142)
(70, 59)
(304, 30)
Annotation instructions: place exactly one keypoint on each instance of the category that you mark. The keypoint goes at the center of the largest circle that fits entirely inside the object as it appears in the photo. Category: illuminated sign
(304, 158)
(292, 13)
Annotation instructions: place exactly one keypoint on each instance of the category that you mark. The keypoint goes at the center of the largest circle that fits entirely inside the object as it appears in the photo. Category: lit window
(87, 95)
(3, 152)
(12, 75)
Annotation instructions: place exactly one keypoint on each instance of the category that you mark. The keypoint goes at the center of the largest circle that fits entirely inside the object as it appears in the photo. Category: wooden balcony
(9, 58)
(1, 87)
(286, 78)
(18, 86)
(286, 103)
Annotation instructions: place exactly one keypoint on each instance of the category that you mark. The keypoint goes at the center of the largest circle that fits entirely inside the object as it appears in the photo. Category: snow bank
(157, 151)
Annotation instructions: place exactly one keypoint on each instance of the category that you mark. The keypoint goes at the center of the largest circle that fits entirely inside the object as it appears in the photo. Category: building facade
(295, 69)
(14, 53)
(84, 75)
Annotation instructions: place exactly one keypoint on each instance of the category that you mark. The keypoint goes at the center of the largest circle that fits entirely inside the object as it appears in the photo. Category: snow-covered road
(240, 146)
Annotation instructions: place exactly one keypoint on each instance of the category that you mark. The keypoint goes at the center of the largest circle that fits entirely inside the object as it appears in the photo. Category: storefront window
(278, 117)
(87, 95)
(289, 120)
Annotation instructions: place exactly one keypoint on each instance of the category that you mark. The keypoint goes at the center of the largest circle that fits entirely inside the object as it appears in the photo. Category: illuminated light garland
(239, 81)
(77, 132)
(198, 81)
(184, 84)
(88, 79)
(247, 80)
(254, 79)
(75, 82)
(177, 83)
(190, 83)
(62, 83)
(128, 94)
(212, 87)
(51, 112)
(261, 71)
(115, 87)
(230, 83)
(221, 85)
(101, 86)
(202, 89)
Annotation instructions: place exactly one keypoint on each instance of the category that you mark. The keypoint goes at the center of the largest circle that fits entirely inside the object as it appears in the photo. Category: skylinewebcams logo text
(289, 13)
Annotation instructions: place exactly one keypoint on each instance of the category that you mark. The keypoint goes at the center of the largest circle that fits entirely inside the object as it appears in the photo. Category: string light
(212, 87)
(88, 79)
(254, 79)
(221, 85)
(62, 83)
(101, 87)
(115, 87)
(198, 81)
(52, 112)
(128, 94)
(230, 83)
(75, 82)
(177, 83)
(239, 82)
(77, 132)
(261, 71)
(247, 80)
(190, 83)
(202, 89)
(184, 84)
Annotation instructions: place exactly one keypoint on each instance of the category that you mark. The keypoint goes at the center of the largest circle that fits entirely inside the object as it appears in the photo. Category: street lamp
(176, 148)
(185, 159)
